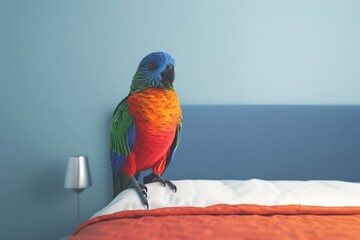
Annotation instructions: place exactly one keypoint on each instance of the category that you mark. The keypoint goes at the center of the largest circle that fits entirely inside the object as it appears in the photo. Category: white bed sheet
(202, 193)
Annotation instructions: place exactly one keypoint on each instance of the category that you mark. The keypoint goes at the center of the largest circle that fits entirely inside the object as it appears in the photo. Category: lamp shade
(77, 173)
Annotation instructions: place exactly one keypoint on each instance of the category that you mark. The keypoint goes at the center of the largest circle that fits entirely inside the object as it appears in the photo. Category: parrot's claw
(143, 187)
(171, 185)
(141, 190)
(165, 182)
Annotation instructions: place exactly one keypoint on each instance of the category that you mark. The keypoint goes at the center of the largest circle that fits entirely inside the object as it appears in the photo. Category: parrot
(146, 127)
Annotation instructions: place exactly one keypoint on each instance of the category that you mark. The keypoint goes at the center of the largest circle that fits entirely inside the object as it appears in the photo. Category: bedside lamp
(77, 177)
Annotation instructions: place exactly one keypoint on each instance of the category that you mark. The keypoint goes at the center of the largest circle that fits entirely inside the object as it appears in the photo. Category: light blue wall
(64, 65)
(232, 52)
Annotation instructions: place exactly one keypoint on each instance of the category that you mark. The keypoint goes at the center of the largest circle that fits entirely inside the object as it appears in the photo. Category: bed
(232, 209)
(295, 174)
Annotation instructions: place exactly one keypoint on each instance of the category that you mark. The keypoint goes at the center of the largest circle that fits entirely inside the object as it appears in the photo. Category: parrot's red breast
(157, 114)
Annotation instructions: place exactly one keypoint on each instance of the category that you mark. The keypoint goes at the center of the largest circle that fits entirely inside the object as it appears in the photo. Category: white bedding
(202, 193)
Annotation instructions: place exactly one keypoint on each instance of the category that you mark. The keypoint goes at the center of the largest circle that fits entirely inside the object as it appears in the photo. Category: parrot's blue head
(155, 70)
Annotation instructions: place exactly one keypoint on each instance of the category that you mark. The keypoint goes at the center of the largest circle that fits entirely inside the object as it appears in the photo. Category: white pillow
(202, 193)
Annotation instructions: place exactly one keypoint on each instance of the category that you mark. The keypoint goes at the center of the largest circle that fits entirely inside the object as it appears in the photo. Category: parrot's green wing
(122, 139)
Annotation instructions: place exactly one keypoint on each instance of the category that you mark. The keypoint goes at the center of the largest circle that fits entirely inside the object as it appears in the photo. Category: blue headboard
(269, 142)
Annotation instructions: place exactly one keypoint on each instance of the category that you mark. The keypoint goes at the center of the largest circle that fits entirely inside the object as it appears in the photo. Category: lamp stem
(78, 209)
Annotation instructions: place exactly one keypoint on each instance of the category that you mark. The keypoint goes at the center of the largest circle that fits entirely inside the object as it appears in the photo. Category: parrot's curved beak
(168, 76)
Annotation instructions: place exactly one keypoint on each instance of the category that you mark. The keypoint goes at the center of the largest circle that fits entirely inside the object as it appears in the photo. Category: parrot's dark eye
(152, 66)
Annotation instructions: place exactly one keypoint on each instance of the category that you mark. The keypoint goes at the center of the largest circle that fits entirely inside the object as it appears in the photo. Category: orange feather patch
(157, 114)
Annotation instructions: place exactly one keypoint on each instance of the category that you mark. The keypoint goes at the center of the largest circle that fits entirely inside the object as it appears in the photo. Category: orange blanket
(226, 222)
